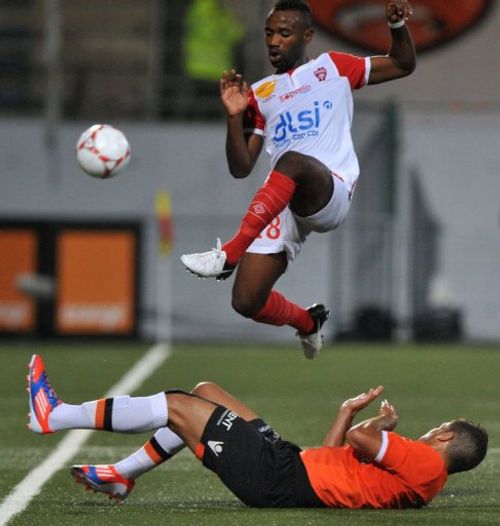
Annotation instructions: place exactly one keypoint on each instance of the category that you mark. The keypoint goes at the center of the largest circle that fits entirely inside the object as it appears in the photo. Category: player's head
(301, 7)
(468, 446)
(463, 444)
(288, 31)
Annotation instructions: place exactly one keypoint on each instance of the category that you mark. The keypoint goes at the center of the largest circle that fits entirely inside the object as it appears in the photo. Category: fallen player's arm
(366, 437)
(336, 436)
(347, 411)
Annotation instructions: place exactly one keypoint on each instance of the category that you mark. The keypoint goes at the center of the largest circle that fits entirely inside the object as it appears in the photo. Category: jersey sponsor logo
(291, 94)
(321, 74)
(215, 446)
(298, 126)
(362, 23)
(266, 89)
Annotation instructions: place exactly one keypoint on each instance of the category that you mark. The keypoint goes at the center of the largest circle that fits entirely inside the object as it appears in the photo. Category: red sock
(279, 310)
(271, 198)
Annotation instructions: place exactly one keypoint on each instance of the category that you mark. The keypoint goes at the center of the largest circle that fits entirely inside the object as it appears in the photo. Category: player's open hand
(233, 93)
(353, 405)
(397, 10)
(391, 417)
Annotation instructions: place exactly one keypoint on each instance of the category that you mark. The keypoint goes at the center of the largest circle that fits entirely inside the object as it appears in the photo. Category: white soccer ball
(102, 151)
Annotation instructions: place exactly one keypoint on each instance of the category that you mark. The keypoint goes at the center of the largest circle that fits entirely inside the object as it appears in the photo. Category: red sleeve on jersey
(253, 119)
(350, 66)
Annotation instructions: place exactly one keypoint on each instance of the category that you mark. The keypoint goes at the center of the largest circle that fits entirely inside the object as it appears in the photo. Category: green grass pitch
(299, 398)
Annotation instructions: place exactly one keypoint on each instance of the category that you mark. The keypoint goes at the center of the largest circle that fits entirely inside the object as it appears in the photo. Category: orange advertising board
(96, 282)
(18, 249)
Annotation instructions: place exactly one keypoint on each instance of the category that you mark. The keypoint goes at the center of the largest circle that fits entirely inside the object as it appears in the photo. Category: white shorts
(287, 232)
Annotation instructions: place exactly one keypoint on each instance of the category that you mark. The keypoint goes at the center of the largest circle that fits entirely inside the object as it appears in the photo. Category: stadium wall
(455, 155)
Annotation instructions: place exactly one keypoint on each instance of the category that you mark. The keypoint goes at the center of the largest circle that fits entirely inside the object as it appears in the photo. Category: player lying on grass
(362, 466)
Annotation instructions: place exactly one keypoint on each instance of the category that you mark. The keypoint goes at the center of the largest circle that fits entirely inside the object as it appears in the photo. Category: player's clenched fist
(397, 10)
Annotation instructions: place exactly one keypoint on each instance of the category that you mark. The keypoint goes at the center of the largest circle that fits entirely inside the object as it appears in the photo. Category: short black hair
(468, 447)
(296, 5)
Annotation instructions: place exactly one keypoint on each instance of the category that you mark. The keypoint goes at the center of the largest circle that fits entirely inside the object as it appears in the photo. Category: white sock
(162, 446)
(123, 414)
(139, 414)
(67, 416)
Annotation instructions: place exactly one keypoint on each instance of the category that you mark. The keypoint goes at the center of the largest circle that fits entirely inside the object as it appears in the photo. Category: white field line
(19, 498)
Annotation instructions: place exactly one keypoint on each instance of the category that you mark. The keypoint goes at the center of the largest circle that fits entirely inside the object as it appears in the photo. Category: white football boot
(211, 264)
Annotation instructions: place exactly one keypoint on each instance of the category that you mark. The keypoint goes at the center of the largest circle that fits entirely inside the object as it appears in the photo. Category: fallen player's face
(435, 431)
(285, 40)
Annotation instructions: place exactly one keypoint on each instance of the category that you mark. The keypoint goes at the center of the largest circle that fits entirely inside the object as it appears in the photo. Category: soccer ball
(102, 151)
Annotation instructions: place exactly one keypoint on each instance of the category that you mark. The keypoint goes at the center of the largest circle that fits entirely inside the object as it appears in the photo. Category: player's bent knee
(244, 307)
(205, 389)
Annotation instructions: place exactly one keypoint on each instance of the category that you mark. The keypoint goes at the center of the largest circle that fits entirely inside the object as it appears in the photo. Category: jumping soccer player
(363, 466)
(302, 114)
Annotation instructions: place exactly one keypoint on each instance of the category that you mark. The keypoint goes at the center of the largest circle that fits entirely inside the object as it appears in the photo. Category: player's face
(443, 428)
(286, 40)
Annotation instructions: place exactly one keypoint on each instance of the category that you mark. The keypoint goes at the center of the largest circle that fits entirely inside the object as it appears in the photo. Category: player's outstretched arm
(366, 437)
(401, 59)
(241, 151)
(347, 411)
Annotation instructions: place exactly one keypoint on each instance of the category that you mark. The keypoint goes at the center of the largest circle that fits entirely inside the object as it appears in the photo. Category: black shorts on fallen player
(259, 469)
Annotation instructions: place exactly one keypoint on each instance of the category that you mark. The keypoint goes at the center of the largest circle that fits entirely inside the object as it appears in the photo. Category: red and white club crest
(320, 74)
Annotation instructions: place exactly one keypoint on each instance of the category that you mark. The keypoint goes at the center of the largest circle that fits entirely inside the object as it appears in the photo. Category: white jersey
(309, 110)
